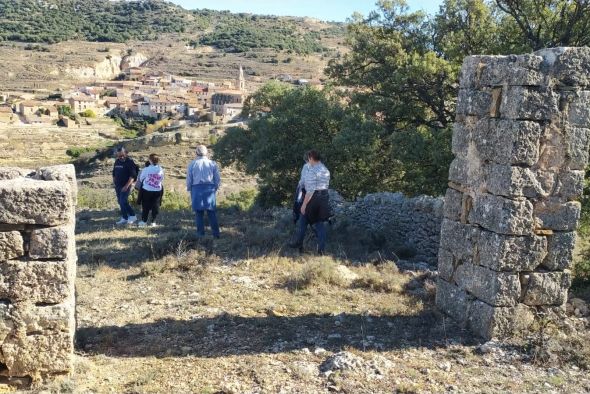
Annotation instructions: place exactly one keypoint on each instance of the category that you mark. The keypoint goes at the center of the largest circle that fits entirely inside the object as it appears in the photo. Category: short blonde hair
(201, 150)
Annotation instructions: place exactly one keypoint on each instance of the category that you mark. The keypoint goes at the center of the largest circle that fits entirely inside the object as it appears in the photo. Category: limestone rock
(501, 215)
(508, 253)
(52, 243)
(453, 300)
(560, 251)
(549, 288)
(38, 354)
(553, 215)
(507, 142)
(8, 173)
(65, 172)
(492, 322)
(526, 103)
(11, 245)
(37, 281)
(492, 287)
(26, 201)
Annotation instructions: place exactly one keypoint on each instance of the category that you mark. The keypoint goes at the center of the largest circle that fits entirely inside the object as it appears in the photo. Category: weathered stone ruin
(413, 224)
(521, 145)
(37, 271)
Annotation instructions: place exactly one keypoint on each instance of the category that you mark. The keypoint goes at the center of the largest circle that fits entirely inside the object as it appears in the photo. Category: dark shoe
(296, 245)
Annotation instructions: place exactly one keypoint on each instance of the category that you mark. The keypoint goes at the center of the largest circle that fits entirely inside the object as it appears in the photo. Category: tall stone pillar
(520, 141)
(37, 271)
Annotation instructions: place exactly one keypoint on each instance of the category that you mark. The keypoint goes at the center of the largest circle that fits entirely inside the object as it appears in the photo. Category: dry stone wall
(37, 271)
(520, 142)
(412, 224)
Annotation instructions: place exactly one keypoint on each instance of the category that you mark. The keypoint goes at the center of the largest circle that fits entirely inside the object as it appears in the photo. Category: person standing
(315, 209)
(124, 174)
(151, 180)
(202, 182)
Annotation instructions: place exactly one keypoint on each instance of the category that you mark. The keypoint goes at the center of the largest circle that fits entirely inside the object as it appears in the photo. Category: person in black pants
(151, 179)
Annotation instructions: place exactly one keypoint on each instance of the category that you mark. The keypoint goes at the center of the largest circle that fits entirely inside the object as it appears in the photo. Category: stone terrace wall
(413, 223)
(37, 271)
(521, 145)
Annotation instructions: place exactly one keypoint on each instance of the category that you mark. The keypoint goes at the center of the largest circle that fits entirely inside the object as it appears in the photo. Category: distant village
(137, 94)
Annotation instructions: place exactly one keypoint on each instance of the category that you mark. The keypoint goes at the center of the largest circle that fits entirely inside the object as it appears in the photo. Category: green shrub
(75, 152)
(96, 198)
(175, 201)
(243, 201)
(88, 113)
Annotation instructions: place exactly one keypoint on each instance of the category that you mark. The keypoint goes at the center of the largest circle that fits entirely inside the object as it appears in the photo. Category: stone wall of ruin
(37, 271)
(521, 146)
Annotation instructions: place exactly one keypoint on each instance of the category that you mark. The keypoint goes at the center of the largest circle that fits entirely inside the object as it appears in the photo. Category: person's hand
(125, 188)
(303, 209)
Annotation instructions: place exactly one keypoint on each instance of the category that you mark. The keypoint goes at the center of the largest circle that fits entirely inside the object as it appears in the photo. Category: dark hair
(121, 149)
(155, 159)
(314, 155)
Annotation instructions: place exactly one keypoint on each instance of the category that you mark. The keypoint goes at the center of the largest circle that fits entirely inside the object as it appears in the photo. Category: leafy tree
(88, 113)
(548, 23)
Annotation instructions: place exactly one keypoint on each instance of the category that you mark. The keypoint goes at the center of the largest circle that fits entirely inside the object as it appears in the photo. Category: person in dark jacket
(124, 175)
(315, 208)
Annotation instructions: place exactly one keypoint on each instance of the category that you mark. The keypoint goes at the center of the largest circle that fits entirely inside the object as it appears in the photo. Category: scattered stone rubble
(37, 271)
(413, 223)
(521, 143)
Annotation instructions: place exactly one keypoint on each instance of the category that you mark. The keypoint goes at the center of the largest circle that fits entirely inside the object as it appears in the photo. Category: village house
(232, 111)
(135, 73)
(81, 103)
(6, 114)
(221, 98)
(37, 119)
(115, 104)
(29, 107)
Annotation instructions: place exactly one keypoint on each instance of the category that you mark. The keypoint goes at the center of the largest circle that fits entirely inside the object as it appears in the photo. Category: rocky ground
(159, 311)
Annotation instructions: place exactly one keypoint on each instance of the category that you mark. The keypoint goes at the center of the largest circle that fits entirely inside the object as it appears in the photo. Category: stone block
(577, 145)
(474, 102)
(523, 70)
(507, 142)
(462, 135)
(26, 201)
(32, 355)
(446, 265)
(509, 181)
(493, 322)
(46, 319)
(495, 288)
(452, 300)
(8, 173)
(6, 322)
(501, 215)
(458, 238)
(52, 243)
(511, 253)
(570, 185)
(64, 172)
(557, 216)
(458, 171)
(569, 66)
(11, 245)
(525, 103)
(545, 288)
(560, 251)
(579, 110)
(37, 281)
(453, 208)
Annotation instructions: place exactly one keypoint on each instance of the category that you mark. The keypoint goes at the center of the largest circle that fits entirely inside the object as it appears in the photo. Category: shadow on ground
(228, 335)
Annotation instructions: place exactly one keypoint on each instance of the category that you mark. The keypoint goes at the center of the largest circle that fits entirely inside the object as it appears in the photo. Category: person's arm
(216, 177)
(189, 177)
(132, 176)
(306, 200)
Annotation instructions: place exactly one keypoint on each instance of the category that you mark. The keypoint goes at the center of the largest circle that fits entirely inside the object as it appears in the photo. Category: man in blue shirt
(202, 182)
(124, 174)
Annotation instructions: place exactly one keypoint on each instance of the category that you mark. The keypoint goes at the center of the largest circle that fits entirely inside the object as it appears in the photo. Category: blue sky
(332, 10)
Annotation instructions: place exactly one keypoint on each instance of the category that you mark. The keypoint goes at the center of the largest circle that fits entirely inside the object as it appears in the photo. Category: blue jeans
(123, 200)
(320, 231)
(200, 220)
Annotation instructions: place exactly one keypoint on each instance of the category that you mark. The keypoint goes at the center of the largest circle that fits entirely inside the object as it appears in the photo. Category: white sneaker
(122, 221)
(154, 225)
(142, 224)
(132, 219)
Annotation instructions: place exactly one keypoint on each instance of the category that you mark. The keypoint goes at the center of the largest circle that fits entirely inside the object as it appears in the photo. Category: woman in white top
(151, 179)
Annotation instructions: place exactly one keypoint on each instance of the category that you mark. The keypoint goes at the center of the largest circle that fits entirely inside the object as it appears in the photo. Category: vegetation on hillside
(54, 21)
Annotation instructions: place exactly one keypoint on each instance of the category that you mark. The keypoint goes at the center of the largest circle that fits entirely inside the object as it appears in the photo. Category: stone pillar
(521, 145)
(37, 271)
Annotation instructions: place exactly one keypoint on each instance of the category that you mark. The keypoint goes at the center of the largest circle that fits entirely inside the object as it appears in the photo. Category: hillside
(55, 21)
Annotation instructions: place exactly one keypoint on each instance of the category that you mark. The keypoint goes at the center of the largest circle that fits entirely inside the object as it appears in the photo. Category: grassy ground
(160, 311)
